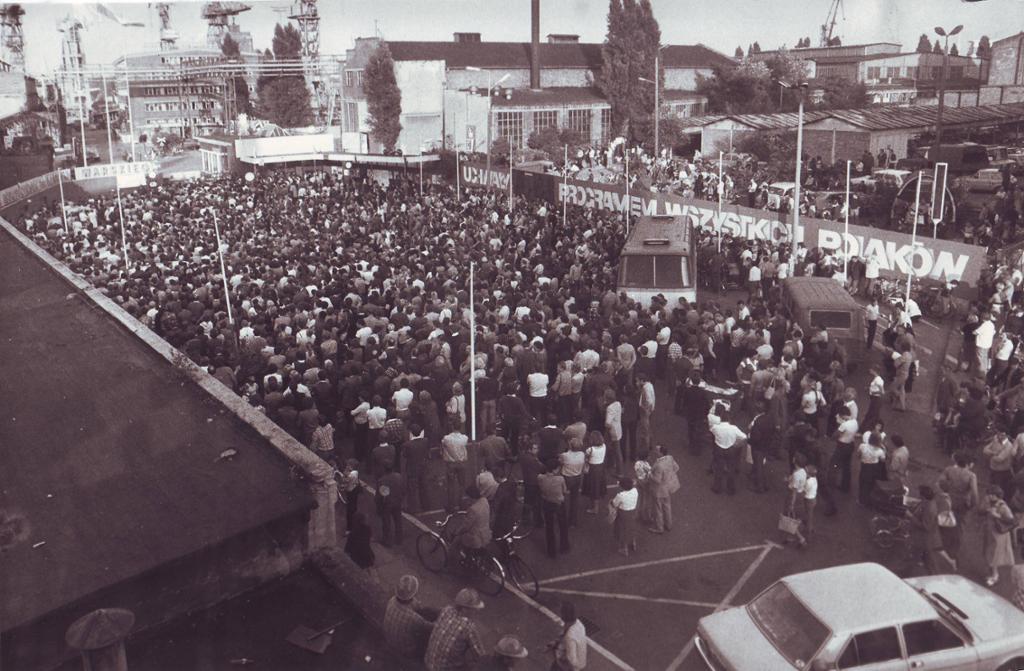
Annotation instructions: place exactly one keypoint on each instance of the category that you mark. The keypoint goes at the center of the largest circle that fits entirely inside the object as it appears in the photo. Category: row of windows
(173, 106)
(178, 90)
(175, 122)
(350, 116)
(353, 78)
(190, 60)
(914, 72)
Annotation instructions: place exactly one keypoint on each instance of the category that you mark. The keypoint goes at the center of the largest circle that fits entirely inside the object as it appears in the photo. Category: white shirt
(402, 398)
(538, 384)
(755, 274)
(726, 435)
(811, 488)
(984, 334)
(877, 386)
(871, 268)
(595, 454)
(798, 480)
(872, 312)
(869, 454)
(846, 431)
(626, 500)
(1005, 350)
(809, 402)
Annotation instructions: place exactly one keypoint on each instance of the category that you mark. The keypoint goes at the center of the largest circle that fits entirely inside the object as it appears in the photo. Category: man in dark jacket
(415, 454)
(390, 494)
(762, 442)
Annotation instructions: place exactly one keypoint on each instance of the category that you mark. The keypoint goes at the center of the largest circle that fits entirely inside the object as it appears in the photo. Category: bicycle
(516, 568)
(434, 548)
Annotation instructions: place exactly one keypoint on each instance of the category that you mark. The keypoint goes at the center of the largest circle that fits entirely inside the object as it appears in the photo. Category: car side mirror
(822, 665)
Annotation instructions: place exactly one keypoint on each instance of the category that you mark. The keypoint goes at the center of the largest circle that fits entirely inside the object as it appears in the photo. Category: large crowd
(346, 319)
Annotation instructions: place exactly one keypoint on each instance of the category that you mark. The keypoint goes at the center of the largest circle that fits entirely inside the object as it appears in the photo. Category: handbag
(788, 525)
(946, 519)
(613, 513)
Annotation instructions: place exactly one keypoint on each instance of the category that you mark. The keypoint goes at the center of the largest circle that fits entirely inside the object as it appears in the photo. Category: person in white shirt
(571, 646)
(402, 399)
(725, 460)
(753, 282)
(871, 269)
(871, 314)
(1003, 347)
(843, 455)
(983, 337)
(872, 466)
(795, 500)
(876, 390)
(537, 386)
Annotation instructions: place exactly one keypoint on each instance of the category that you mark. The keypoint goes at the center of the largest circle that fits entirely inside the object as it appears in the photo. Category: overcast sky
(719, 24)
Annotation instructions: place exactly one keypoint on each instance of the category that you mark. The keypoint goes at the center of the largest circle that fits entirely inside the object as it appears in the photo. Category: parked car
(779, 191)
(890, 177)
(864, 616)
(988, 179)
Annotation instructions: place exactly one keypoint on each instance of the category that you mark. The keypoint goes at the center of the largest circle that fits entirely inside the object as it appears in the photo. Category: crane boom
(828, 28)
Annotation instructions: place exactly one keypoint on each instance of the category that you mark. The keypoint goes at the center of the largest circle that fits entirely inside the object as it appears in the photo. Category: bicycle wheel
(432, 551)
(522, 576)
(487, 574)
(884, 538)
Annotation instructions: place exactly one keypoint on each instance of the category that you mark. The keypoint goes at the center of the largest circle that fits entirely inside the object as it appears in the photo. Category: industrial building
(1005, 82)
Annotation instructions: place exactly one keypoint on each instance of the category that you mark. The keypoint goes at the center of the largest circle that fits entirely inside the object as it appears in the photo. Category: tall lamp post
(490, 92)
(128, 84)
(801, 88)
(657, 101)
(942, 84)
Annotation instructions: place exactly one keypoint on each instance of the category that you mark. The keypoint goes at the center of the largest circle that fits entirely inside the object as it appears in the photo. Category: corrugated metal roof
(873, 118)
(517, 54)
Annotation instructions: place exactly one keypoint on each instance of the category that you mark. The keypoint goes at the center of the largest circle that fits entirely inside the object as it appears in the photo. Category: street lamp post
(490, 92)
(801, 88)
(942, 84)
(657, 101)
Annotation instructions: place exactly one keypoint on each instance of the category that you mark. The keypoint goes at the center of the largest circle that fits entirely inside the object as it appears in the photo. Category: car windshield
(778, 190)
(784, 620)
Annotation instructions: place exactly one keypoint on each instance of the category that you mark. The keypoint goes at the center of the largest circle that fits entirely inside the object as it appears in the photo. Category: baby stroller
(888, 498)
(734, 277)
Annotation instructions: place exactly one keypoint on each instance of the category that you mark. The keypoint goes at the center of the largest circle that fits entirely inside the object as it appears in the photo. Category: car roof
(891, 171)
(782, 185)
(859, 597)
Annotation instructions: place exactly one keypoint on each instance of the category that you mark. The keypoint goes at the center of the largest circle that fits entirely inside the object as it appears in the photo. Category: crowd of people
(344, 314)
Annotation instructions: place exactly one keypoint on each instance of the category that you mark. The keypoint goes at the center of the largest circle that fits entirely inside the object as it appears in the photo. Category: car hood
(990, 617)
(739, 643)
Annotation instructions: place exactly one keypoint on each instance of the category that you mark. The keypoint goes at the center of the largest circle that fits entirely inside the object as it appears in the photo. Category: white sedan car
(862, 616)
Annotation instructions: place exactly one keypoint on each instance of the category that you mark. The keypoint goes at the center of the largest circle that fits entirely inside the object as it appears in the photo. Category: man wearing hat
(507, 654)
(455, 642)
(407, 623)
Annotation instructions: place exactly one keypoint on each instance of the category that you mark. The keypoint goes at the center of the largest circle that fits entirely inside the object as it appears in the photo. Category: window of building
(912, 72)
(956, 72)
(545, 119)
(606, 125)
(874, 73)
(351, 121)
(510, 126)
(936, 71)
(893, 72)
(579, 121)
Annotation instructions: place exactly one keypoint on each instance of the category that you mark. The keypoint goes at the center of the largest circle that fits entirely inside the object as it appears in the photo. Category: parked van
(963, 158)
(822, 301)
(659, 257)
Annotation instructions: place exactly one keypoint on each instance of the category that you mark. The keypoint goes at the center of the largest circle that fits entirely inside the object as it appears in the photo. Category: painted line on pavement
(685, 652)
(540, 608)
(632, 597)
(653, 562)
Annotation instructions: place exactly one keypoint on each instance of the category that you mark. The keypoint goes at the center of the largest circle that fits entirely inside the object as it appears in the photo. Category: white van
(779, 191)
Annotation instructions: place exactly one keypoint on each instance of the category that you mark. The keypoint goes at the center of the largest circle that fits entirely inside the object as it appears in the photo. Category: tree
(738, 89)
(984, 48)
(937, 48)
(750, 49)
(628, 53)
(953, 50)
(842, 94)
(229, 47)
(756, 48)
(383, 98)
(739, 52)
(835, 41)
(784, 67)
(287, 43)
(924, 45)
(285, 102)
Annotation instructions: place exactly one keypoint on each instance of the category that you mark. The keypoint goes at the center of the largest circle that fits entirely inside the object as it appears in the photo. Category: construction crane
(828, 28)
(12, 38)
(220, 16)
(168, 36)
(304, 13)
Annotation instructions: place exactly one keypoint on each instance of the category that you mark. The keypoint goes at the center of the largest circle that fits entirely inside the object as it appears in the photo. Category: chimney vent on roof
(467, 38)
(563, 38)
(535, 44)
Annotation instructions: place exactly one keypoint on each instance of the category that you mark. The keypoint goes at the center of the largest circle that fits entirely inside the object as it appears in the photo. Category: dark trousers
(696, 427)
(531, 501)
(628, 442)
(555, 513)
(512, 433)
(841, 462)
(575, 484)
(872, 328)
(873, 414)
(758, 477)
(457, 479)
(391, 525)
(725, 464)
(351, 506)
(416, 496)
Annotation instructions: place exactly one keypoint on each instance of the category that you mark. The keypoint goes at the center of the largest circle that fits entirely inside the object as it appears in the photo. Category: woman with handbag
(594, 478)
(789, 520)
(999, 524)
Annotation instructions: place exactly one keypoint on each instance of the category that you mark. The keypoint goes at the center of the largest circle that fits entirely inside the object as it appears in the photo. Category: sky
(722, 25)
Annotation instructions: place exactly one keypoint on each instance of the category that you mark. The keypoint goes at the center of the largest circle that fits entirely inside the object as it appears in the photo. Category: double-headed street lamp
(942, 84)
(490, 92)
(801, 88)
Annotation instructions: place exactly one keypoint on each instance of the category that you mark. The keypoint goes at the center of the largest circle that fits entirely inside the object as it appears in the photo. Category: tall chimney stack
(535, 45)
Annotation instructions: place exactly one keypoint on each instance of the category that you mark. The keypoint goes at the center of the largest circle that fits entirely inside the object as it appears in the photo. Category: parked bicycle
(516, 567)
(435, 550)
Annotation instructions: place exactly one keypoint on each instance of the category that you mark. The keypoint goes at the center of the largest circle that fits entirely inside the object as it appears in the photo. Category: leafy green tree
(229, 47)
(739, 52)
(984, 47)
(628, 53)
(937, 48)
(383, 98)
(842, 94)
(285, 102)
(233, 54)
(924, 45)
(784, 67)
(287, 43)
(553, 141)
(835, 42)
(954, 50)
(756, 48)
(738, 89)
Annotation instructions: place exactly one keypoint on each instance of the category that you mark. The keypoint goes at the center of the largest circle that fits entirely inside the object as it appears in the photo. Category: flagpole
(421, 172)
(846, 227)
(472, 356)
(81, 119)
(223, 270)
(628, 204)
(120, 217)
(509, 180)
(458, 177)
(565, 182)
(63, 208)
(913, 236)
(106, 111)
(721, 193)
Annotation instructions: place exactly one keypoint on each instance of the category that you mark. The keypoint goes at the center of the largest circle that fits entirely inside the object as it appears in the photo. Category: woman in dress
(999, 523)
(625, 506)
